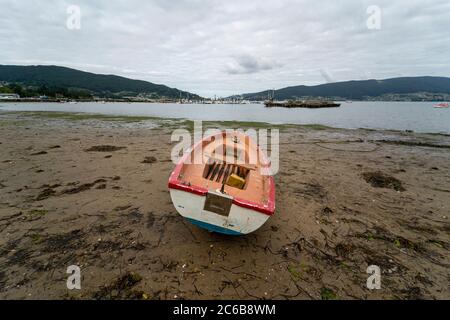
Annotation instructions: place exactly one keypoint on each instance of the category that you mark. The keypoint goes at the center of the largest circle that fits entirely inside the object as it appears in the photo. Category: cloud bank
(228, 47)
(247, 64)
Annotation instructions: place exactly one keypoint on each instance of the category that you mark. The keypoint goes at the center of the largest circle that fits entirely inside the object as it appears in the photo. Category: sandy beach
(92, 192)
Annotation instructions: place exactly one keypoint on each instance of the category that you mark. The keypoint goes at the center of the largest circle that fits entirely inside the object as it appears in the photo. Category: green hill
(361, 90)
(96, 84)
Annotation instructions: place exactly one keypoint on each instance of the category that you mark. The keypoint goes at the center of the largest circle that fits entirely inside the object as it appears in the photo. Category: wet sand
(345, 199)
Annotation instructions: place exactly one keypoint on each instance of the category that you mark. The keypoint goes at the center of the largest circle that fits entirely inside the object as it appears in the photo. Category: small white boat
(441, 105)
(228, 189)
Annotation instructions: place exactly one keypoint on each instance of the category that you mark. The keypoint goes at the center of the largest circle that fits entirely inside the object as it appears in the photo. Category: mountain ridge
(361, 89)
(104, 85)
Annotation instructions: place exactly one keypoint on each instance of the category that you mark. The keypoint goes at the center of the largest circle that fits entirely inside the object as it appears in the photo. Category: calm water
(416, 116)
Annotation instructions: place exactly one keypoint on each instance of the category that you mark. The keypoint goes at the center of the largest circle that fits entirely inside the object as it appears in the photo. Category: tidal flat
(81, 190)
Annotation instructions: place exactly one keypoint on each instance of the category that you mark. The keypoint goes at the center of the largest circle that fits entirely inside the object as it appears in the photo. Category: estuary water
(415, 116)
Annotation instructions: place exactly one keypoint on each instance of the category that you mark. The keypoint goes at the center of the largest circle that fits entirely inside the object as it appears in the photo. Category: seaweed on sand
(328, 294)
(83, 187)
(313, 190)
(150, 160)
(39, 153)
(380, 180)
(104, 148)
(44, 194)
(62, 242)
(120, 289)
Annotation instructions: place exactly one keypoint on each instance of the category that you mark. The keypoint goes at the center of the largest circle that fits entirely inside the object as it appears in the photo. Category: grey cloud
(225, 47)
(246, 64)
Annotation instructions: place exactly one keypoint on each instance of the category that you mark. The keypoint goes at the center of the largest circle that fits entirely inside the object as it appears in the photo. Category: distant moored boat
(311, 104)
(442, 105)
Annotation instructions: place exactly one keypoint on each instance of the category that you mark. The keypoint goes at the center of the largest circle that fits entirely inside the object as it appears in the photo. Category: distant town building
(9, 96)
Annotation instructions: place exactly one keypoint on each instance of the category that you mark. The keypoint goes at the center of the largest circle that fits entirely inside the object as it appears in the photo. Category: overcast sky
(227, 47)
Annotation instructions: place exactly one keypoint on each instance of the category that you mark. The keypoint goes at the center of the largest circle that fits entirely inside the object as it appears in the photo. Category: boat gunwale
(175, 183)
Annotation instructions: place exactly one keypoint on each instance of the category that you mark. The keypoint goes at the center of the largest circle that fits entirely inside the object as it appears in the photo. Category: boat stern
(217, 212)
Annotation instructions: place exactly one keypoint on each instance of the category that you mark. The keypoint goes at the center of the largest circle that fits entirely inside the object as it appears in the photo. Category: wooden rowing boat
(224, 184)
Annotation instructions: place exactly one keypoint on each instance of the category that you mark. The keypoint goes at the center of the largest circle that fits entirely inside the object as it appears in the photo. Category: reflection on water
(416, 116)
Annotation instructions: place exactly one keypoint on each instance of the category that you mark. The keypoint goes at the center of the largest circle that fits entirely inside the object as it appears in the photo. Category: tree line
(43, 90)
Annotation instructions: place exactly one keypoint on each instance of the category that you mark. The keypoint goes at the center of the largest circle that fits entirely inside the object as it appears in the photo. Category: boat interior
(228, 162)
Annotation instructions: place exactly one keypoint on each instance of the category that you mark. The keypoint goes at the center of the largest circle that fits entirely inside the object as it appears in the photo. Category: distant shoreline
(193, 102)
(78, 100)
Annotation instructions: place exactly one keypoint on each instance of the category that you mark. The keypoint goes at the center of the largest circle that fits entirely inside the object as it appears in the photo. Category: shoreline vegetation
(55, 83)
(92, 190)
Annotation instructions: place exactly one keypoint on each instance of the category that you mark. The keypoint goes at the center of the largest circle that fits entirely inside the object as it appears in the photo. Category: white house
(9, 96)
